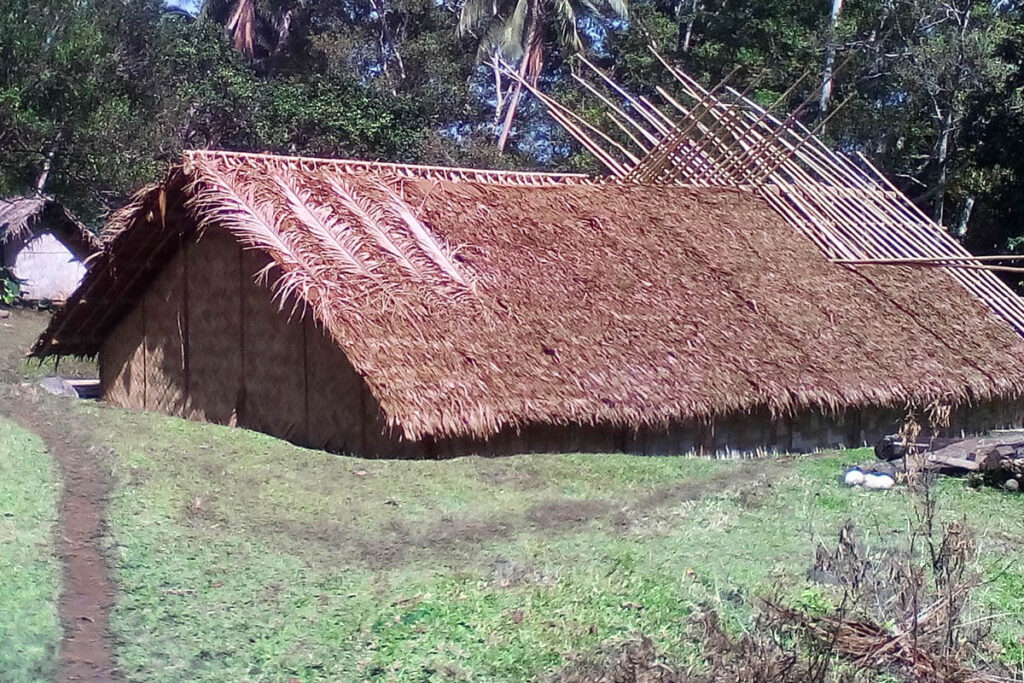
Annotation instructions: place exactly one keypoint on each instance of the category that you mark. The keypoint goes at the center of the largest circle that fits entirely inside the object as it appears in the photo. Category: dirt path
(87, 590)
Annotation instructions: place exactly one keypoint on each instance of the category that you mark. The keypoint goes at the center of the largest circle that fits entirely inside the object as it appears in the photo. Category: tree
(258, 29)
(521, 31)
(98, 96)
(831, 40)
(950, 57)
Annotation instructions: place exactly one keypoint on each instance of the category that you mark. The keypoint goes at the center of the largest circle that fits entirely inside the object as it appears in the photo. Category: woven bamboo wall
(209, 343)
(214, 329)
(335, 396)
(165, 335)
(274, 367)
(122, 363)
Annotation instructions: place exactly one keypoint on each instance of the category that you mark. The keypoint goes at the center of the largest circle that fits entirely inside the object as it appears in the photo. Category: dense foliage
(96, 96)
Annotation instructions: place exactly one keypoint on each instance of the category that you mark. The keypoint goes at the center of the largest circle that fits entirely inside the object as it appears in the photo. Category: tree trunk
(525, 72)
(686, 36)
(510, 113)
(942, 164)
(499, 95)
(965, 215)
(830, 59)
(44, 173)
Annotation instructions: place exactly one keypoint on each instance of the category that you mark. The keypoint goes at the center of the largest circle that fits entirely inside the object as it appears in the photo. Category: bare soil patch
(455, 538)
(87, 589)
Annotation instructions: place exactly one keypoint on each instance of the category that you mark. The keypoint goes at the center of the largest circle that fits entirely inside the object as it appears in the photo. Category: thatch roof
(474, 301)
(20, 216)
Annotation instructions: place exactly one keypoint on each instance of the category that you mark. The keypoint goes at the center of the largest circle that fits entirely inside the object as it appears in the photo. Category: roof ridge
(450, 173)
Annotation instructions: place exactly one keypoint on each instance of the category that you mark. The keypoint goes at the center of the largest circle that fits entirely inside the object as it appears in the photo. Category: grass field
(241, 557)
(29, 577)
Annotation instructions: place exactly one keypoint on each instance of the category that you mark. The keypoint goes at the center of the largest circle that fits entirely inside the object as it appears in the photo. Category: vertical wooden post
(240, 397)
(305, 374)
(186, 398)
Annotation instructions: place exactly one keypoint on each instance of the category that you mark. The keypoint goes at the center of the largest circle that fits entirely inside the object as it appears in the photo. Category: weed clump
(905, 613)
(630, 661)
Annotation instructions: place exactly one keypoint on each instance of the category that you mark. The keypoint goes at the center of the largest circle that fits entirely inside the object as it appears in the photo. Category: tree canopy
(97, 96)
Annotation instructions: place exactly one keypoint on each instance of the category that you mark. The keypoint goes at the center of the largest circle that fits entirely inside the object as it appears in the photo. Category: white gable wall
(47, 268)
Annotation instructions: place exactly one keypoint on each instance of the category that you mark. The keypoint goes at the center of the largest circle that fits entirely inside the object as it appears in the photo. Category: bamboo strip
(650, 137)
(924, 259)
(629, 98)
(666, 148)
(417, 170)
(568, 113)
(933, 264)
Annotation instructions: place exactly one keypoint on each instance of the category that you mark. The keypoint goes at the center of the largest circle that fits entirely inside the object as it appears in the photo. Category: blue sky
(189, 5)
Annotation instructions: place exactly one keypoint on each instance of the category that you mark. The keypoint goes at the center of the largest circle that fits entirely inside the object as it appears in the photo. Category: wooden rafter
(720, 136)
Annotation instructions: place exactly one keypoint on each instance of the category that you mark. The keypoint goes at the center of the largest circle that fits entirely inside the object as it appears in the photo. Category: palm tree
(255, 27)
(517, 32)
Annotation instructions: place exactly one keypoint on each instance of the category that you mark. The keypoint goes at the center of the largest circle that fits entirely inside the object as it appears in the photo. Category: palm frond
(242, 27)
(374, 222)
(504, 34)
(254, 223)
(215, 10)
(474, 14)
(332, 233)
(435, 252)
(513, 29)
(533, 58)
(619, 7)
(568, 33)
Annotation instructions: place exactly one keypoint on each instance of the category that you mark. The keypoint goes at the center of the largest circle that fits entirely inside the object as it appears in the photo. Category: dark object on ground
(58, 386)
(997, 459)
(86, 388)
(72, 388)
(892, 447)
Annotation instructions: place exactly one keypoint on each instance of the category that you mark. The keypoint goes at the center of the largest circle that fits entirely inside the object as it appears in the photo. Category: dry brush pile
(906, 613)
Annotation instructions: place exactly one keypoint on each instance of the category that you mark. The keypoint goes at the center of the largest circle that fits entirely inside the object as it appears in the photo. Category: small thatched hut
(44, 247)
(415, 312)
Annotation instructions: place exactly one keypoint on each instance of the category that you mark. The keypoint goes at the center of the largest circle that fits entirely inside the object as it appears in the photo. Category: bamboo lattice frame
(720, 137)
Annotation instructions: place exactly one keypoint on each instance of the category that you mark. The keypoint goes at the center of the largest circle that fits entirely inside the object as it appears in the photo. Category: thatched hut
(404, 311)
(44, 247)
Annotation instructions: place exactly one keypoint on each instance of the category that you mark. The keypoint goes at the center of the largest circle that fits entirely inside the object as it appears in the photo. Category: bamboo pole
(934, 264)
(651, 138)
(659, 126)
(926, 259)
(853, 217)
(565, 116)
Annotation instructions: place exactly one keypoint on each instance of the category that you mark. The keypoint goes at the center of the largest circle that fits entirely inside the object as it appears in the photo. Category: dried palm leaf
(242, 27)
(333, 234)
(431, 247)
(374, 221)
(17, 216)
(224, 201)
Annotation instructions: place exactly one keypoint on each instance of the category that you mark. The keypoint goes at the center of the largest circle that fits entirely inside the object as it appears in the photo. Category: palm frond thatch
(333, 234)
(591, 302)
(20, 216)
(374, 221)
(228, 203)
(437, 254)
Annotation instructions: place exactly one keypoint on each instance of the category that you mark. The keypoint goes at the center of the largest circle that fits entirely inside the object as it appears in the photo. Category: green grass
(29, 629)
(18, 333)
(242, 557)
